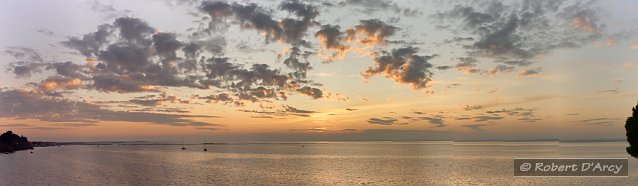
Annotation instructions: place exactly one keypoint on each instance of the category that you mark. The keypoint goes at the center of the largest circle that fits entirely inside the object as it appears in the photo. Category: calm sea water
(331, 163)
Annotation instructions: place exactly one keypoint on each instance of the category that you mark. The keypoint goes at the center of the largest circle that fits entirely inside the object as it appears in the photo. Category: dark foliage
(10, 142)
(632, 133)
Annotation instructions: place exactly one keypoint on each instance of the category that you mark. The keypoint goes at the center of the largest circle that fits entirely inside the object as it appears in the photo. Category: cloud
(600, 121)
(403, 66)
(472, 107)
(375, 30)
(312, 92)
(133, 29)
(516, 34)
(24, 104)
(372, 6)
(112, 83)
(453, 85)
(298, 62)
(76, 124)
(527, 119)
(296, 110)
(611, 91)
(16, 125)
(382, 121)
(223, 97)
(55, 83)
(513, 112)
(487, 118)
(253, 16)
(131, 56)
(45, 32)
(23, 69)
(284, 110)
(500, 68)
(361, 38)
(166, 45)
(89, 45)
(476, 127)
(331, 37)
(531, 72)
(24, 54)
(435, 121)
(45, 128)
(151, 101)
(209, 128)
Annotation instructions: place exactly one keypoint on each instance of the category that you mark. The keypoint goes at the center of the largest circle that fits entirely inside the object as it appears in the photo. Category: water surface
(321, 163)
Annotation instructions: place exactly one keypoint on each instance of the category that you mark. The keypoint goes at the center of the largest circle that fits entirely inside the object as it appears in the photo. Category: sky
(295, 70)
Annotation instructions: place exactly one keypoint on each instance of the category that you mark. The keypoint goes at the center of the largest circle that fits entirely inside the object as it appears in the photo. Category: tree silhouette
(631, 125)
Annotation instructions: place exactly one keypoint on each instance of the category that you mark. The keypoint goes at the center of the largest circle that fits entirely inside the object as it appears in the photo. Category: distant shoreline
(45, 144)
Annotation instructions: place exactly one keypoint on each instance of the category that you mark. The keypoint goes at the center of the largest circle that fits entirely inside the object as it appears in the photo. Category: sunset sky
(317, 70)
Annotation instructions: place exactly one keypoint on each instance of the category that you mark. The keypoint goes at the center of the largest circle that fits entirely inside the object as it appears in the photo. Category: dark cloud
(295, 29)
(517, 34)
(133, 29)
(382, 121)
(476, 127)
(296, 110)
(45, 32)
(23, 104)
(531, 72)
(331, 37)
(438, 122)
(112, 83)
(501, 68)
(284, 110)
(152, 101)
(24, 54)
(466, 63)
(513, 112)
(454, 85)
(600, 121)
(527, 119)
(64, 70)
(68, 69)
(166, 45)
(375, 30)
(472, 107)
(487, 118)
(351, 109)
(213, 45)
(215, 98)
(89, 45)
(372, 6)
(298, 62)
(403, 66)
(209, 128)
(253, 16)
(312, 92)
(23, 69)
(444, 67)
(142, 60)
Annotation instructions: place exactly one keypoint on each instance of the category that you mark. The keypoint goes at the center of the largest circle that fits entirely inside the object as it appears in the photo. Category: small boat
(205, 149)
(183, 148)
